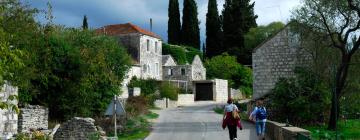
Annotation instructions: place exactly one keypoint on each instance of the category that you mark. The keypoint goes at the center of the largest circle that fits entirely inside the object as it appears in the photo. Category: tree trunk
(340, 80)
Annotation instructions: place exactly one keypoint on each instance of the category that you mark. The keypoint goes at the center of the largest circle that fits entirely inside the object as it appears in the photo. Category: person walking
(259, 115)
(231, 119)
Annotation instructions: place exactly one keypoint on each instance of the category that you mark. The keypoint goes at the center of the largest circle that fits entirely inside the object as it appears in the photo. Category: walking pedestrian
(259, 115)
(231, 119)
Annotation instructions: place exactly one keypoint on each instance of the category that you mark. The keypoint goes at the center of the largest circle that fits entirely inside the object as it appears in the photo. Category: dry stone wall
(76, 129)
(221, 90)
(33, 117)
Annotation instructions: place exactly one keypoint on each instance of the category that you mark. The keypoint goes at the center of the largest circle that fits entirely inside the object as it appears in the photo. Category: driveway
(196, 122)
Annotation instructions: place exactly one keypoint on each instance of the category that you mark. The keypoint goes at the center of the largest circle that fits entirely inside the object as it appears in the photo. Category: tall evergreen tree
(238, 18)
(85, 23)
(213, 31)
(190, 28)
(174, 25)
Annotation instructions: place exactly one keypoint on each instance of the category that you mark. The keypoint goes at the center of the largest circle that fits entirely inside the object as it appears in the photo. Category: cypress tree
(213, 31)
(85, 23)
(190, 28)
(238, 18)
(174, 25)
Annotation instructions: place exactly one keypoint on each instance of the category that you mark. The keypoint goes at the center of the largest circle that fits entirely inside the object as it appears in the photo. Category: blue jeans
(260, 128)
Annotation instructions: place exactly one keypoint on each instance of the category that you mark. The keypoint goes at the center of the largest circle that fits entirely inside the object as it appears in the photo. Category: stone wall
(131, 42)
(276, 58)
(177, 75)
(279, 131)
(198, 70)
(33, 117)
(76, 129)
(151, 60)
(8, 118)
(186, 99)
(220, 90)
(236, 94)
(165, 103)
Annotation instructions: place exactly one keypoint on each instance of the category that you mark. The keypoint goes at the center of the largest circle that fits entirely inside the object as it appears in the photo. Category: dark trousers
(232, 131)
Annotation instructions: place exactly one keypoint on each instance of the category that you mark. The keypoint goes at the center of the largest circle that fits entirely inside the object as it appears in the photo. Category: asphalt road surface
(196, 122)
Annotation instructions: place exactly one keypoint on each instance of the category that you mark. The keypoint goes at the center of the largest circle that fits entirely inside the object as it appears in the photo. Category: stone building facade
(8, 118)
(33, 117)
(275, 58)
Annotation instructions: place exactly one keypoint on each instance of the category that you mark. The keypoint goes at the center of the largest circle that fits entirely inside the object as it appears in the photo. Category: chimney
(151, 24)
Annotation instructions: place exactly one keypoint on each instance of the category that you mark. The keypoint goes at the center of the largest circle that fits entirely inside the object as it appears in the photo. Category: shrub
(301, 100)
(168, 90)
(136, 106)
(181, 54)
(148, 86)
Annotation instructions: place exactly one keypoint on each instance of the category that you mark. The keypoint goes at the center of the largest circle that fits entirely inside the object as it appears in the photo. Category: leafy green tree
(338, 20)
(238, 17)
(297, 99)
(190, 31)
(226, 67)
(174, 25)
(256, 36)
(85, 23)
(213, 31)
(169, 90)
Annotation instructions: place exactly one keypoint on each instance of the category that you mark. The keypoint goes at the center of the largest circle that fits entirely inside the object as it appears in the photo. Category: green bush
(148, 86)
(226, 67)
(168, 90)
(181, 54)
(301, 100)
(136, 106)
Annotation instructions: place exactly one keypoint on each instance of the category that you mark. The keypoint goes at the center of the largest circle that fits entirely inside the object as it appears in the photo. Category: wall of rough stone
(33, 117)
(279, 131)
(153, 57)
(8, 118)
(276, 58)
(220, 90)
(176, 74)
(186, 99)
(165, 103)
(198, 70)
(131, 42)
(236, 94)
(76, 129)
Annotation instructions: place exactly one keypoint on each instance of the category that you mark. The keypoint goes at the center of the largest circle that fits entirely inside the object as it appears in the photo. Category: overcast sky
(103, 12)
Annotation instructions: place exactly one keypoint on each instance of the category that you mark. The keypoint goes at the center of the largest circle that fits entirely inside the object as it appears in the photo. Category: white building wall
(220, 90)
(151, 57)
(8, 118)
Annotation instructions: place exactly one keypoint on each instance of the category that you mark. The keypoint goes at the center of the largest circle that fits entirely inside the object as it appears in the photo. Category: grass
(347, 130)
(137, 128)
(219, 110)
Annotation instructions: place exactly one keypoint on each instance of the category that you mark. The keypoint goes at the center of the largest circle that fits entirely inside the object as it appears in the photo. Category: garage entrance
(204, 92)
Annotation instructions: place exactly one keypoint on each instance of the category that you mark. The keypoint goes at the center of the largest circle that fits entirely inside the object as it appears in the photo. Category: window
(182, 71)
(170, 72)
(157, 68)
(148, 68)
(144, 68)
(148, 45)
(156, 46)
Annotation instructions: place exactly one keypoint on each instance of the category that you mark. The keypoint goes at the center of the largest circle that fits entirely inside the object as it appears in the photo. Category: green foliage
(214, 33)
(148, 86)
(256, 36)
(181, 54)
(168, 90)
(136, 106)
(348, 129)
(298, 99)
(226, 67)
(219, 109)
(190, 31)
(174, 25)
(136, 128)
(238, 17)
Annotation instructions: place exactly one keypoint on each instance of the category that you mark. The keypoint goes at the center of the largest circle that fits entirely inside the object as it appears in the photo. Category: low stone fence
(279, 131)
(166, 103)
(33, 117)
(77, 129)
(186, 99)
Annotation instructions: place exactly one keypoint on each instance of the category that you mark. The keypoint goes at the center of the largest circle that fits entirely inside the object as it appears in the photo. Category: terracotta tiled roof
(126, 28)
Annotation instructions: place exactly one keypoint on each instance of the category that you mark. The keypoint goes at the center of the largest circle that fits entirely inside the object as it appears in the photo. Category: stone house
(145, 48)
(276, 58)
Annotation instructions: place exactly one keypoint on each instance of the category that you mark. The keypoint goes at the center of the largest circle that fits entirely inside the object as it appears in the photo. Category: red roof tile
(127, 28)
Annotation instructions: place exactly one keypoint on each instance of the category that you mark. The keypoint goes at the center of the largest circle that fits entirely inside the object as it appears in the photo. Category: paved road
(197, 122)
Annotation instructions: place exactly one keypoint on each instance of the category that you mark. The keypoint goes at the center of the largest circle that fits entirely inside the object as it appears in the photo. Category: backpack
(261, 113)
